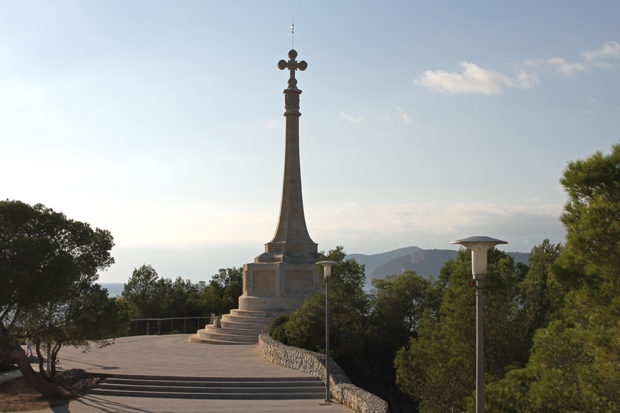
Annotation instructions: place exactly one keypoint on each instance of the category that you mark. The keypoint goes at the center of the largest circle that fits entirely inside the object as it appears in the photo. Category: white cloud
(609, 50)
(591, 59)
(406, 118)
(568, 69)
(350, 118)
(475, 80)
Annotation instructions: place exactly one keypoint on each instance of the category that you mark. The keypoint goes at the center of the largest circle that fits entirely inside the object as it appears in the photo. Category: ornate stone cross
(292, 65)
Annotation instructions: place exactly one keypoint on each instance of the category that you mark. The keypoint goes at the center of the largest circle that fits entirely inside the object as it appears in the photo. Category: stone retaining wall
(314, 363)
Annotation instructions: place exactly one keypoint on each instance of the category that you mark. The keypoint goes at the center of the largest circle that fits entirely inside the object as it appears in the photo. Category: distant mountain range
(423, 262)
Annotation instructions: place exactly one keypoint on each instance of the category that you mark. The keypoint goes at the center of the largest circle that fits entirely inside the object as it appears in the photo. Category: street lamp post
(327, 265)
(479, 247)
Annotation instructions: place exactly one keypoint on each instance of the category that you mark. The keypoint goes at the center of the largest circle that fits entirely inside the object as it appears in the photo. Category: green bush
(277, 331)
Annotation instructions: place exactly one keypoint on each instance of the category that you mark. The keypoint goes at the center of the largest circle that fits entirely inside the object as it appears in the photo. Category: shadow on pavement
(90, 364)
(104, 405)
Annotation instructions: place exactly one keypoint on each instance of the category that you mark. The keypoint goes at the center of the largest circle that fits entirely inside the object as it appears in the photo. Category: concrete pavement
(10, 376)
(172, 355)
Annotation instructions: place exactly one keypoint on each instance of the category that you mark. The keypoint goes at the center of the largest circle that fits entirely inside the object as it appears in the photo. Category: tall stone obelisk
(285, 274)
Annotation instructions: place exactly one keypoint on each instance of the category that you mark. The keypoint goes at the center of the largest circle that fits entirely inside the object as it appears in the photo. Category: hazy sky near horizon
(422, 122)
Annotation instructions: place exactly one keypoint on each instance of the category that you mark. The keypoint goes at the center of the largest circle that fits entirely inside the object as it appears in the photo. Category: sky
(422, 122)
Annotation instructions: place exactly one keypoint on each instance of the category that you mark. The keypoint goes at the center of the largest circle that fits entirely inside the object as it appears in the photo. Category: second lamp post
(479, 247)
(327, 265)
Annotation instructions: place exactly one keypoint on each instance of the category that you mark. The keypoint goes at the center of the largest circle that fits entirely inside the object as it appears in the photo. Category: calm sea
(114, 289)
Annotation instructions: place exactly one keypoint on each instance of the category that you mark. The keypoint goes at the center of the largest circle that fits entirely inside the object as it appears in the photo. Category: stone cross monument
(285, 274)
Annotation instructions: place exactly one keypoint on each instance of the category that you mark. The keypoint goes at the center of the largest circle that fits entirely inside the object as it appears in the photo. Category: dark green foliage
(575, 362)
(398, 303)
(223, 292)
(145, 293)
(361, 324)
(541, 293)
(277, 331)
(43, 252)
(87, 318)
(436, 320)
(592, 220)
(348, 306)
(439, 366)
(149, 296)
(48, 266)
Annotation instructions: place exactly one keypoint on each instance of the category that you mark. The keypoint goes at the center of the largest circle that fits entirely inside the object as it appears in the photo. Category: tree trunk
(43, 386)
(41, 361)
(49, 360)
(54, 356)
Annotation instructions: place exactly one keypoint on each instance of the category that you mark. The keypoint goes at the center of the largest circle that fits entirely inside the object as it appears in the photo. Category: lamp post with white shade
(327, 265)
(479, 247)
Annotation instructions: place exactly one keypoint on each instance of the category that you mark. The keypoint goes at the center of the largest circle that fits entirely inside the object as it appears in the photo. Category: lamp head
(479, 246)
(327, 265)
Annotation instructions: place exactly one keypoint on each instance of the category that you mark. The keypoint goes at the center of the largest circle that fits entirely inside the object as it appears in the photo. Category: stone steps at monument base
(239, 327)
(251, 319)
(195, 339)
(248, 313)
(221, 334)
(246, 326)
(228, 330)
(257, 388)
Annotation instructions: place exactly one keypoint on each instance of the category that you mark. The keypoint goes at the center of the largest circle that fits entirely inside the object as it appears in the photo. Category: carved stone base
(279, 287)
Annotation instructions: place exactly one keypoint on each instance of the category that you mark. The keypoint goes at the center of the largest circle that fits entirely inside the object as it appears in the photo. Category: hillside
(375, 260)
(423, 262)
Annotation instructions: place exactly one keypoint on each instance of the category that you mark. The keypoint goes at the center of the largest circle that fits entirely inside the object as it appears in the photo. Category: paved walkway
(172, 355)
(10, 375)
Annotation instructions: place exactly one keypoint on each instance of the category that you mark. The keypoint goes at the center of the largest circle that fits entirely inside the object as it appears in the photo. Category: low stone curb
(314, 363)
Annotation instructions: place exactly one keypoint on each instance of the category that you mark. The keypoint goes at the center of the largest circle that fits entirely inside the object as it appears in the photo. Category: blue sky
(422, 122)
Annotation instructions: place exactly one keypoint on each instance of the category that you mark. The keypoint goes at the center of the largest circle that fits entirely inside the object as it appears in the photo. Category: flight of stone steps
(239, 388)
(238, 327)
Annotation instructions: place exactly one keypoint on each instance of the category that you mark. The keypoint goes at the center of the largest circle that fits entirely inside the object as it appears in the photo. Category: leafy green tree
(397, 304)
(541, 294)
(183, 299)
(223, 292)
(575, 362)
(146, 293)
(149, 296)
(438, 368)
(592, 220)
(85, 317)
(348, 308)
(42, 256)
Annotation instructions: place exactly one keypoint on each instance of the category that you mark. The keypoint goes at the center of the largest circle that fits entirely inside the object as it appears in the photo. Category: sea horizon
(114, 289)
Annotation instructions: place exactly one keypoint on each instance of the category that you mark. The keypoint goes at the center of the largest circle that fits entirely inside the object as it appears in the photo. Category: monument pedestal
(277, 287)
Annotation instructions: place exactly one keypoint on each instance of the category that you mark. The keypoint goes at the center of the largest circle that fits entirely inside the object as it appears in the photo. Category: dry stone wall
(342, 389)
